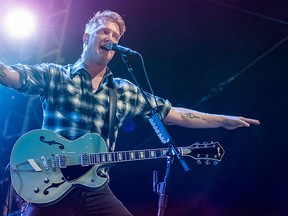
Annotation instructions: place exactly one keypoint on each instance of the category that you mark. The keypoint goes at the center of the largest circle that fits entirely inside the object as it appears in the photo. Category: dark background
(225, 57)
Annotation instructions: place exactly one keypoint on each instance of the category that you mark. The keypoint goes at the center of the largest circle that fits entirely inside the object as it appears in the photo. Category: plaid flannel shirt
(71, 107)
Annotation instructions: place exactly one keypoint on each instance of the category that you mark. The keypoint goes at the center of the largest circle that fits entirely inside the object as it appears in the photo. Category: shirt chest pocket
(123, 110)
(68, 97)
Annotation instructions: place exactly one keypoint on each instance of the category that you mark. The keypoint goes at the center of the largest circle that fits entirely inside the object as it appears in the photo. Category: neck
(94, 69)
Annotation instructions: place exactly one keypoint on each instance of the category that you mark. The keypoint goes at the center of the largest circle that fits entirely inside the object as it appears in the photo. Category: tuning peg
(207, 162)
(215, 163)
(199, 162)
(205, 144)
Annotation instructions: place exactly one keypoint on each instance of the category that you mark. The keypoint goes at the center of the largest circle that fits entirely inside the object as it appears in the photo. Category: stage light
(20, 23)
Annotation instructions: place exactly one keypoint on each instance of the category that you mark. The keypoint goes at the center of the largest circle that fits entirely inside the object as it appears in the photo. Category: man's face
(103, 33)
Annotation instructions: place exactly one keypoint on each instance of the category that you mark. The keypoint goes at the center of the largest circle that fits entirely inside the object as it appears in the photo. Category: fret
(152, 154)
(101, 157)
(141, 154)
(123, 156)
(119, 156)
(92, 158)
(105, 157)
(127, 155)
(115, 156)
(146, 154)
(97, 158)
(109, 157)
(137, 155)
(132, 155)
(158, 153)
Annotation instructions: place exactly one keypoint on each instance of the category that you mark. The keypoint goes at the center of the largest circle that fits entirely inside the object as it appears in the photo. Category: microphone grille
(109, 45)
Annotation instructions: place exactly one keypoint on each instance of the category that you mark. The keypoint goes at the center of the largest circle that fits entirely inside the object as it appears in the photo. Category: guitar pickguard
(72, 173)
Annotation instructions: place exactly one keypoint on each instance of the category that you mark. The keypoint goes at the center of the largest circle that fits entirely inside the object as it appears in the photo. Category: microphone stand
(165, 138)
(160, 188)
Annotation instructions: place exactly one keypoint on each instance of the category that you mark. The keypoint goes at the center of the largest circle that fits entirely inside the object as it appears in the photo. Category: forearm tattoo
(2, 73)
(192, 116)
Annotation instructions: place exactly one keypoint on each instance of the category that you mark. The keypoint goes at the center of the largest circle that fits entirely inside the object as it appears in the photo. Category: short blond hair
(105, 16)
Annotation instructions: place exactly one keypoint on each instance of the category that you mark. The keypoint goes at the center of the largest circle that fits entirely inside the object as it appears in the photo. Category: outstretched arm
(194, 119)
(9, 77)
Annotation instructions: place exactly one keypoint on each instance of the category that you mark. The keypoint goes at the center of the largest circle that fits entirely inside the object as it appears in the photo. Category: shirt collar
(77, 67)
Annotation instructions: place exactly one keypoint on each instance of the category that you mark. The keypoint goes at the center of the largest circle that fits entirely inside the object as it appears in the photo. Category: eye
(116, 37)
(103, 31)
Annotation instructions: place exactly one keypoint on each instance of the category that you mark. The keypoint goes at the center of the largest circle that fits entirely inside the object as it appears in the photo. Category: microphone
(115, 47)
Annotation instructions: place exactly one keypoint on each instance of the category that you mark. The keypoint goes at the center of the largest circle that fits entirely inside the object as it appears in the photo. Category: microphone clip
(115, 47)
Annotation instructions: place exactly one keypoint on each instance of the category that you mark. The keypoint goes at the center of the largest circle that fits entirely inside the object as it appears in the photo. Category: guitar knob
(36, 190)
(46, 180)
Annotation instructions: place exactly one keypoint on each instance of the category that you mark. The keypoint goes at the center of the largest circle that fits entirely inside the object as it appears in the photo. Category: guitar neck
(122, 156)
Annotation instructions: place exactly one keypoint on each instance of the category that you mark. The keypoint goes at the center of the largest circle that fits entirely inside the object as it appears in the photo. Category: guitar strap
(112, 112)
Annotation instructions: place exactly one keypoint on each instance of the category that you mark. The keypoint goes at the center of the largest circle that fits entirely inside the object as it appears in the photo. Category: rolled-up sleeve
(33, 78)
(158, 104)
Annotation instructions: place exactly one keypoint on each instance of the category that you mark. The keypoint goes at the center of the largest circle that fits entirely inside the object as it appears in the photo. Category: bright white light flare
(20, 23)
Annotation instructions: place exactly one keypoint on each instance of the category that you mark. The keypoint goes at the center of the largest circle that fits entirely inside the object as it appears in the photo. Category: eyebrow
(106, 28)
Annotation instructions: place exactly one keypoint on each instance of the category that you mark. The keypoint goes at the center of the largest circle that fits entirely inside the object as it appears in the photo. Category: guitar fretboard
(113, 157)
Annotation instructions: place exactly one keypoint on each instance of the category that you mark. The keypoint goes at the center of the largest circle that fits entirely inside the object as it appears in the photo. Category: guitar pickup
(85, 159)
(62, 161)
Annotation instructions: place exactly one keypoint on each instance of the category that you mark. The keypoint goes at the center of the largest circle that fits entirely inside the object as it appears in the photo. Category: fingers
(236, 122)
(249, 121)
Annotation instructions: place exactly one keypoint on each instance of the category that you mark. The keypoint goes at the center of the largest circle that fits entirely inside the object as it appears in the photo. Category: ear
(86, 38)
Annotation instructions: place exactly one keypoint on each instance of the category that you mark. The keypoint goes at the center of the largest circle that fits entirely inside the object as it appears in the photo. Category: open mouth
(108, 46)
(104, 48)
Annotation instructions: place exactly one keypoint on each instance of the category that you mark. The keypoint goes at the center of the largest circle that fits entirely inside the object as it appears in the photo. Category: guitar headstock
(207, 152)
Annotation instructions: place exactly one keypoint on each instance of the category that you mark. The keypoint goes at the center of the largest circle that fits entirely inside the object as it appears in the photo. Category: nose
(110, 38)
